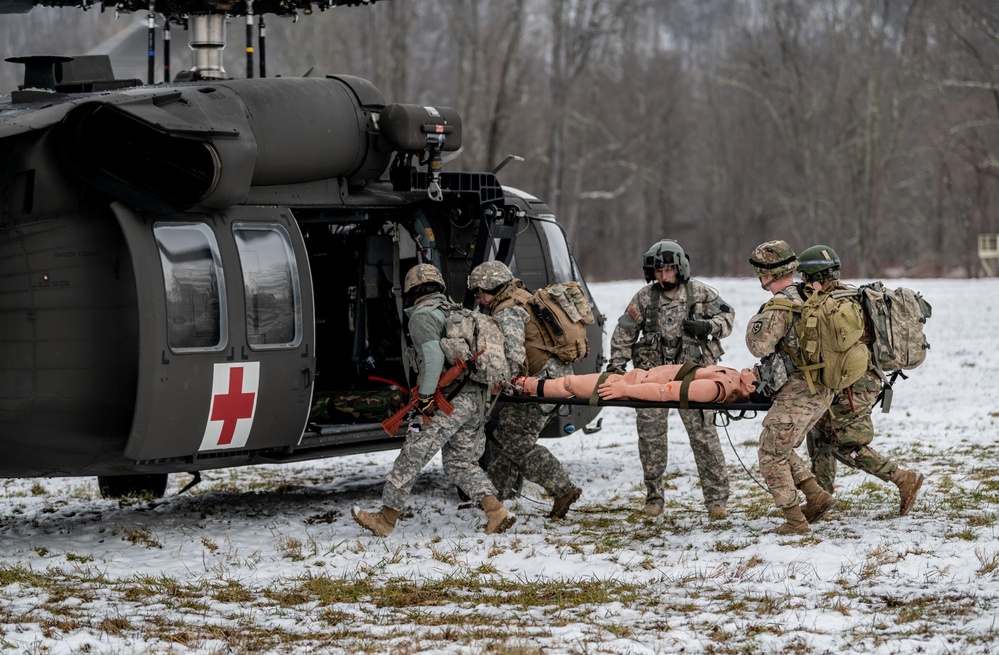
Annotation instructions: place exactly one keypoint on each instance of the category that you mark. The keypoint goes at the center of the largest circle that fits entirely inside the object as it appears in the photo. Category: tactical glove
(697, 327)
(426, 405)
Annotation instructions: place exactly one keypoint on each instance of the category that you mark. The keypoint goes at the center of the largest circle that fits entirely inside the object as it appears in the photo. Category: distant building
(988, 253)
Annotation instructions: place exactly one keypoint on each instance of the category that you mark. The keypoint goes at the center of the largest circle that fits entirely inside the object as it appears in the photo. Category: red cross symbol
(231, 406)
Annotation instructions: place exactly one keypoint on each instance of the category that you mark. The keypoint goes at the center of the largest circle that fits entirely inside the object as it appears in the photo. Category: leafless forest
(869, 125)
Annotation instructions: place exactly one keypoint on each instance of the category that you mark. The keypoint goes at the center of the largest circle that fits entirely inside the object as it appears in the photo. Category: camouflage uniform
(845, 435)
(795, 409)
(658, 316)
(459, 436)
(520, 424)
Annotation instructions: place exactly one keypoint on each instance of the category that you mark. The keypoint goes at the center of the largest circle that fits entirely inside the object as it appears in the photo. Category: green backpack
(830, 328)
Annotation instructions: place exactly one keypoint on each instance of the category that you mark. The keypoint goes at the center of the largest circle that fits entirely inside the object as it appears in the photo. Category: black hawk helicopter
(206, 273)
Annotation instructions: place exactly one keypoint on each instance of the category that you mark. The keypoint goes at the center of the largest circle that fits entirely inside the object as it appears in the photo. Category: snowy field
(268, 560)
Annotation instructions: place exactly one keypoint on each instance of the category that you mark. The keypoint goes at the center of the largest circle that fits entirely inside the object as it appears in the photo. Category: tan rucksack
(830, 326)
(559, 315)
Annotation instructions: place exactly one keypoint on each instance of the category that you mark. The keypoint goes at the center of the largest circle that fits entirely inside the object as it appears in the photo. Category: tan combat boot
(818, 501)
(795, 522)
(562, 503)
(499, 519)
(717, 513)
(381, 523)
(653, 508)
(908, 483)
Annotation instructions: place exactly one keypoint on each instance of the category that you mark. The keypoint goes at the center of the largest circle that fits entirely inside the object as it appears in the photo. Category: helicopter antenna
(509, 158)
(151, 42)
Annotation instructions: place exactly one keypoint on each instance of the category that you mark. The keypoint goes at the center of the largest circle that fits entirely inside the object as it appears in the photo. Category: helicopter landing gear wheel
(119, 486)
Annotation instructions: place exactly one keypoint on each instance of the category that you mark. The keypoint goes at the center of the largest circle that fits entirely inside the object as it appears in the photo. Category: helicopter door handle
(307, 372)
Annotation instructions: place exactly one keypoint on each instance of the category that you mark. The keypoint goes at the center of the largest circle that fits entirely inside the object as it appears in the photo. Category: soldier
(504, 297)
(458, 435)
(770, 335)
(846, 432)
(671, 321)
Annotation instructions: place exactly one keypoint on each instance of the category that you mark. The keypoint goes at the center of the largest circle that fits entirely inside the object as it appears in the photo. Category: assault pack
(466, 333)
(830, 329)
(896, 318)
(559, 315)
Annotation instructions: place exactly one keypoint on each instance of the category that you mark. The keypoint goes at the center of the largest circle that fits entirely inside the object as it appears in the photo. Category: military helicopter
(206, 273)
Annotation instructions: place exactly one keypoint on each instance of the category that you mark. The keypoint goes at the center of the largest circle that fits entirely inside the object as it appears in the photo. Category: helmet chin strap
(669, 286)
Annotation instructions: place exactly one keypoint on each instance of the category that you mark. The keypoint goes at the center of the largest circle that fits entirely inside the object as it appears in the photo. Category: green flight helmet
(819, 263)
(666, 253)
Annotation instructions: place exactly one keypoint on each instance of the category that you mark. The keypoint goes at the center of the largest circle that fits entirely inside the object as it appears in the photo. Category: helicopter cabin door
(226, 333)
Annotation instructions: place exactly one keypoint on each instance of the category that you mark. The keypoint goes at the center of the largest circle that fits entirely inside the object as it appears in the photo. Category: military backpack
(559, 316)
(830, 327)
(896, 318)
(466, 333)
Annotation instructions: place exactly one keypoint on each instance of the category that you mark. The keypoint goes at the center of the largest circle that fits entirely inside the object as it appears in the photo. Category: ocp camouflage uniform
(650, 333)
(520, 424)
(458, 436)
(795, 409)
(845, 435)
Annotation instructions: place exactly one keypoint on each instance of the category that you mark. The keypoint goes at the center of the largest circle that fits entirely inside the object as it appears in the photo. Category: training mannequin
(711, 384)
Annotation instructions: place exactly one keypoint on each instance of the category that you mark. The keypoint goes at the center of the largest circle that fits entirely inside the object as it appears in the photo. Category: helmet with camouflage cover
(422, 274)
(489, 275)
(773, 258)
(666, 253)
(819, 263)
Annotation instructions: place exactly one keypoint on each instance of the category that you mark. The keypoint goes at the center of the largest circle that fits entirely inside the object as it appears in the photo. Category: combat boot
(717, 512)
(653, 508)
(562, 503)
(381, 523)
(499, 519)
(818, 501)
(908, 483)
(795, 522)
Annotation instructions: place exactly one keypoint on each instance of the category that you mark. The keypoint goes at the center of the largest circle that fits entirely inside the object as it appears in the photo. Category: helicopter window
(559, 251)
(270, 280)
(192, 275)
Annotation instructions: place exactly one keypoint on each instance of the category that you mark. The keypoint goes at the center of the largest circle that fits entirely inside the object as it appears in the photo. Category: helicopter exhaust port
(208, 145)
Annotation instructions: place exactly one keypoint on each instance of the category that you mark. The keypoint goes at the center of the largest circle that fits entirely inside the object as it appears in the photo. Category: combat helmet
(819, 263)
(420, 275)
(489, 276)
(773, 258)
(666, 253)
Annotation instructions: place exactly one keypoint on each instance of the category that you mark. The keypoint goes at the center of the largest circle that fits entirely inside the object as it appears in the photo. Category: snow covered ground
(267, 559)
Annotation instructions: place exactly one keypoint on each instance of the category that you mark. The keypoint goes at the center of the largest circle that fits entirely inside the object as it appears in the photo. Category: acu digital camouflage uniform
(650, 333)
(520, 424)
(459, 436)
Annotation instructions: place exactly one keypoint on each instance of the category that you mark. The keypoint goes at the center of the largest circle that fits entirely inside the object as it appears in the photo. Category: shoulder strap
(652, 311)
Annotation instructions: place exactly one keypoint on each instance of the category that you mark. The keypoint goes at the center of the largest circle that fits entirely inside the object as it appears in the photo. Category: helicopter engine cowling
(206, 145)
